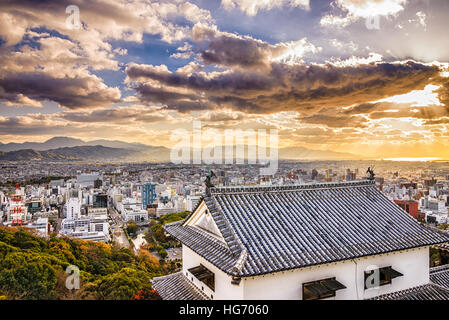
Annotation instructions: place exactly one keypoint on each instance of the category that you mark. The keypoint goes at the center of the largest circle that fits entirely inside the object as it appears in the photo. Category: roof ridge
(413, 290)
(290, 187)
(238, 266)
(166, 276)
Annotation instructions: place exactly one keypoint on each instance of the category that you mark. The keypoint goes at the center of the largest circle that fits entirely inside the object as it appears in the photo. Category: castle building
(314, 241)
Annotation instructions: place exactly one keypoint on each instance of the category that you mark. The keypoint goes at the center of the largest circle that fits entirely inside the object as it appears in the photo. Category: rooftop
(428, 291)
(440, 276)
(176, 287)
(276, 228)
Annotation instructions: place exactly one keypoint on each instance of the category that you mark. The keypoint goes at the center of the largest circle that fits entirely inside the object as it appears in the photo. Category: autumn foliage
(34, 268)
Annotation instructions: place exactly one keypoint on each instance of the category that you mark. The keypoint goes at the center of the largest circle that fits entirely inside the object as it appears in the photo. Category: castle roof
(270, 229)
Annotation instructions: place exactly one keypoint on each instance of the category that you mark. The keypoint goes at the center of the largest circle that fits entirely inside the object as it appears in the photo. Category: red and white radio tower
(17, 207)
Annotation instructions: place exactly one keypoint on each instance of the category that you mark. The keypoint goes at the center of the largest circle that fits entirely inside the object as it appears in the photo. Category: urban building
(41, 225)
(95, 228)
(192, 202)
(100, 200)
(73, 210)
(91, 211)
(410, 206)
(17, 211)
(87, 180)
(136, 214)
(148, 194)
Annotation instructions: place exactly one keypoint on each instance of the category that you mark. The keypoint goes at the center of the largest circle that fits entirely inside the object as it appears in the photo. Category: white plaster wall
(224, 290)
(413, 264)
(287, 285)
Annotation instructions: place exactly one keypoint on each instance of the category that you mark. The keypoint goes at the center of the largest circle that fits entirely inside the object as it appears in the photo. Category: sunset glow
(320, 72)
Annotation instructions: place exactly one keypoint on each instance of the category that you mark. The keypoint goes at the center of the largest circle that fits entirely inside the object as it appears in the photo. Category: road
(174, 254)
(139, 241)
(116, 217)
(118, 224)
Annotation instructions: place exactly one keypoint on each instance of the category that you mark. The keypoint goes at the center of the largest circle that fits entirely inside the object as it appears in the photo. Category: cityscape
(123, 204)
(225, 150)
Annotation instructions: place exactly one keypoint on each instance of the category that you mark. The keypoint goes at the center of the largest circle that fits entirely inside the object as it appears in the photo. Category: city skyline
(363, 77)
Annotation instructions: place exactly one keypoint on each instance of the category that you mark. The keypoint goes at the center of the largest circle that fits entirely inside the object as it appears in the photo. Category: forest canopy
(35, 268)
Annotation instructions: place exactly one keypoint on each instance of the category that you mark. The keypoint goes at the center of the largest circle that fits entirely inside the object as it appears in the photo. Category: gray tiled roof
(176, 287)
(425, 292)
(287, 227)
(440, 275)
(210, 248)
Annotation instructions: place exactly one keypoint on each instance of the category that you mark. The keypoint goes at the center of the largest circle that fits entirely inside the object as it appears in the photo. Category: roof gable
(202, 218)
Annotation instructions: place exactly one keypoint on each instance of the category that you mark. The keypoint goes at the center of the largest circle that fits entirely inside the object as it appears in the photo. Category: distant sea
(414, 159)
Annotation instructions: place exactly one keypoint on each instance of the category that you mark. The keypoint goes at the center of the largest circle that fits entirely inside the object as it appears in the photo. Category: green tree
(34, 268)
(124, 284)
(132, 228)
(27, 277)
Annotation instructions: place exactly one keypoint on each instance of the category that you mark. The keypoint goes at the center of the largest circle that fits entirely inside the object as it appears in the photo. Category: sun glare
(417, 98)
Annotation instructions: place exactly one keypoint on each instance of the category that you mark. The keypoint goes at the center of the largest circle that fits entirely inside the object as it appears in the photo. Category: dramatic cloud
(335, 21)
(223, 116)
(251, 7)
(45, 60)
(283, 87)
(370, 8)
(231, 50)
(136, 69)
(102, 20)
(72, 93)
(443, 92)
(335, 121)
(31, 126)
(355, 9)
(120, 115)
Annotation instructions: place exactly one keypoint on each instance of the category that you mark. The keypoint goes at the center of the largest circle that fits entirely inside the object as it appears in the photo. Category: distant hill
(53, 143)
(301, 153)
(63, 142)
(68, 153)
(64, 148)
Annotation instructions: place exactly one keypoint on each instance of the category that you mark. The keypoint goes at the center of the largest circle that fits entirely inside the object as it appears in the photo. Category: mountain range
(67, 153)
(64, 148)
(65, 142)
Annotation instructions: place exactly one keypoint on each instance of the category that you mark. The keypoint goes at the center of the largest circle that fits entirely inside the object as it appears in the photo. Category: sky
(368, 77)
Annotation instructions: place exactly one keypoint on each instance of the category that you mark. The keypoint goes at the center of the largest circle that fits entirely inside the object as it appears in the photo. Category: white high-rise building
(73, 208)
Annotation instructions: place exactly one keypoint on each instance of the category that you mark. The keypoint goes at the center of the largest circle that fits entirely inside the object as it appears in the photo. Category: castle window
(204, 275)
(386, 274)
(321, 289)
